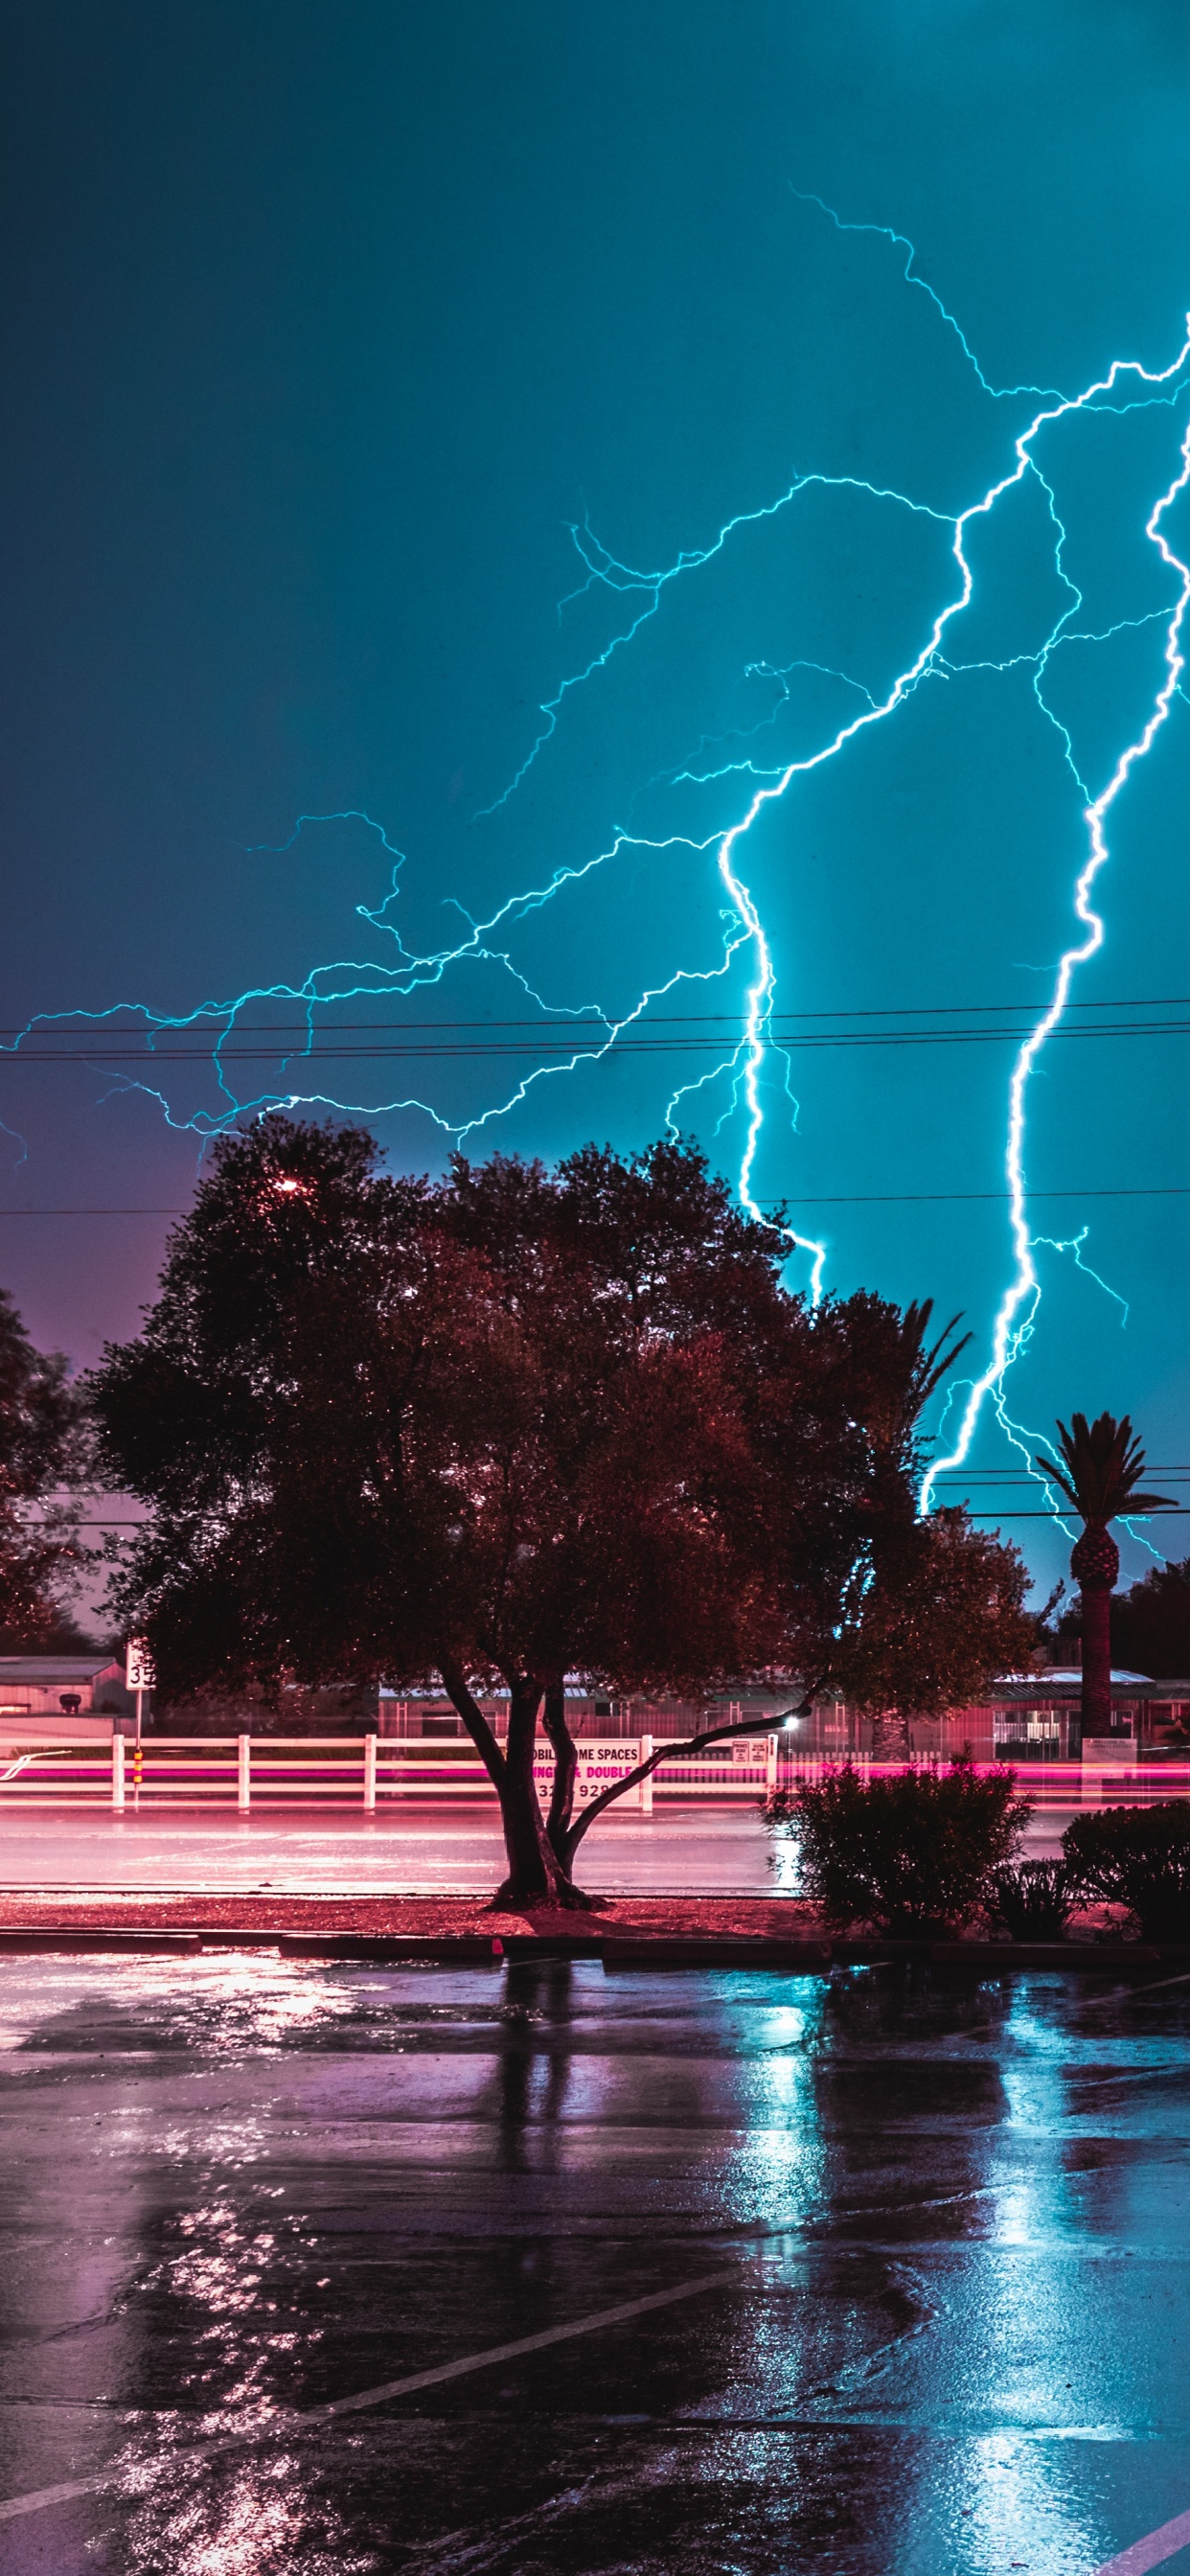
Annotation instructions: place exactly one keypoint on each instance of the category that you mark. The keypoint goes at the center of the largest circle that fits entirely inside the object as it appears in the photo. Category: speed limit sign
(138, 1665)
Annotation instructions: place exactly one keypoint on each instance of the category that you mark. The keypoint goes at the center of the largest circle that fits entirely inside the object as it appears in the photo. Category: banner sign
(598, 1766)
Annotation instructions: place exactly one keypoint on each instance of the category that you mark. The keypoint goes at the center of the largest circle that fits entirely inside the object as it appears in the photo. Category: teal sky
(363, 365)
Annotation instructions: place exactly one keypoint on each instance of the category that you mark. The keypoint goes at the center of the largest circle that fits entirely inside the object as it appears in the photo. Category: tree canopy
(42, 1455)
(1150, 1623)
(517, 1423)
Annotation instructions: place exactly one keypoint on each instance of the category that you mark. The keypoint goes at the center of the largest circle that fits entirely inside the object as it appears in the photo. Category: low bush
(1138, 1857)
(912, 1855)
(1033, 1899)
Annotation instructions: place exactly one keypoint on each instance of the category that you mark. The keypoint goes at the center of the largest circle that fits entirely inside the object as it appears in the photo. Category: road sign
(138, 1666)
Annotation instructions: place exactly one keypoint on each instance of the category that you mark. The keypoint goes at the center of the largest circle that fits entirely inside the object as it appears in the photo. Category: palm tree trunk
(1095, 1563)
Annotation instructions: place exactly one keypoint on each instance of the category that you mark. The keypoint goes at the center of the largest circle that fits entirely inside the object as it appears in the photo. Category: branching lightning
(1019, 1304)
(744, 1075)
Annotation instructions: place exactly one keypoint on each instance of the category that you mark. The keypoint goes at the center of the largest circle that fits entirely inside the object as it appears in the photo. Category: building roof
(1066, 1673)
(42, 1671)
(1067, 1685)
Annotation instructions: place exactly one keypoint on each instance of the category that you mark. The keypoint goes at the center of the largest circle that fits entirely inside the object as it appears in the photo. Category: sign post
(140, 1677)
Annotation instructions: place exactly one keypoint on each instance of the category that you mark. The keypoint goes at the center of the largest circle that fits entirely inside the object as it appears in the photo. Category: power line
(545, 1045)
(78, 1027)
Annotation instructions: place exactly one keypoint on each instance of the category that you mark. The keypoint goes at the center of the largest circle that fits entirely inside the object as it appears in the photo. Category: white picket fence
(243, 1772)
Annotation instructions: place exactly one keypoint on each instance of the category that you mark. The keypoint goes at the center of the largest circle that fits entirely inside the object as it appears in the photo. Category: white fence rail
(245, 1772)
(242, 1773)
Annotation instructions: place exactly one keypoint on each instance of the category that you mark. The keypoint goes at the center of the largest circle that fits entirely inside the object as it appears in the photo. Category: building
(1029, 1717)
(44, 1698)
(61, 1684)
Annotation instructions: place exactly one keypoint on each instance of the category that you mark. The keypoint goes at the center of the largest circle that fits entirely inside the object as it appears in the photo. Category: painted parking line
(285, 2427)
(1129, 1993)
(1150, 2552)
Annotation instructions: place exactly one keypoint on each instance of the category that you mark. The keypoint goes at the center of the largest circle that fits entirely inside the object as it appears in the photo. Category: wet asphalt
(438, 1850)
(942, 2226)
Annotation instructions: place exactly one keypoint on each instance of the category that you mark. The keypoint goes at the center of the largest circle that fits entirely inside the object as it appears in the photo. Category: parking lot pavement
(540, 2272)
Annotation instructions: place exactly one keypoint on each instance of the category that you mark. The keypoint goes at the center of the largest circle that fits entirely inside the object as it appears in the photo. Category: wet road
(444, 1850)
(881, 2277)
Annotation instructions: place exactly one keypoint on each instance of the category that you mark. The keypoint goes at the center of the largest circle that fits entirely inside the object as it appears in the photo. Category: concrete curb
(140, 1945)
(727, 1950)
(617, 1952)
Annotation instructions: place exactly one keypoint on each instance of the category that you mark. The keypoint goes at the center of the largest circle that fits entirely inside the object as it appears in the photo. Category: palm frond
(1103, 1463)
(927, 1367)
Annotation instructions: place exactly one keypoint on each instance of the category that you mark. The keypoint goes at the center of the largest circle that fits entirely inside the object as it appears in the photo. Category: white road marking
(284, 2427)
(1150, 2552)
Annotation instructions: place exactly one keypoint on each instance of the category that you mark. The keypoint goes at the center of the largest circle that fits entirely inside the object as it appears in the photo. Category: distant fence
(242, 1773)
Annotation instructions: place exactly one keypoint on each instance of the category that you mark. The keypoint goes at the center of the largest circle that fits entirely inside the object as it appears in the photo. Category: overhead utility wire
(668, 1019)
(319, 1045)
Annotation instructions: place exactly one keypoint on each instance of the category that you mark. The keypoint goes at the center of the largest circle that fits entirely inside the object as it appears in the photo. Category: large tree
(42, 1457)
(502, 1427)
(1103, 1465)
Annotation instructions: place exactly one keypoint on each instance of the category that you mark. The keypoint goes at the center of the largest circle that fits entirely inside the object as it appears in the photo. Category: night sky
(367, 368)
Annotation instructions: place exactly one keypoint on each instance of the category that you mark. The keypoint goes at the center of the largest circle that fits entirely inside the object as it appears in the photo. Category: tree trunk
(890, 1736)
(565, 1770)
(536, 1875)
(1095, 1563)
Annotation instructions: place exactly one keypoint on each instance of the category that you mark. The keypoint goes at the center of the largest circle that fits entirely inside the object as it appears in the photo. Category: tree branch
(481, 1734)
(668, 1752)
(565, 1765)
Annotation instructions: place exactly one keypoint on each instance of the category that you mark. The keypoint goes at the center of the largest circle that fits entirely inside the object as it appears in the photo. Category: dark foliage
(1103, 1466)
(59, 1634)
(1138, 1857)
(910, 1855)
(1150, 1624)
(1033, 1899)
(42, 1454)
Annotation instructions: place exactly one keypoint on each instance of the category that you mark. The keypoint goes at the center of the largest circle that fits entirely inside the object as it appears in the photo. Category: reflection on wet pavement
(943, 2222)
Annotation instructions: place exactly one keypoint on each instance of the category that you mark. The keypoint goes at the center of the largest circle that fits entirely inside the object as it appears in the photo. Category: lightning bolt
(744, 1069)
(1019, 1303)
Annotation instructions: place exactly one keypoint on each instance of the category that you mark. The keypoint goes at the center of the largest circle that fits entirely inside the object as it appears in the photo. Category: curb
(635, 1952)
(726, 1950)
(1083, 1958)
(62, 1938)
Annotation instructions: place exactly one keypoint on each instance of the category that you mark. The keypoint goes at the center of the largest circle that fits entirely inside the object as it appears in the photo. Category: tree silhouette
(42, 1454)
(514, 1424)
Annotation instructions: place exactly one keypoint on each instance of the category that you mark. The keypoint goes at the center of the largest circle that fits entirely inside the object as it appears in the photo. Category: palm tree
(1103, 1469)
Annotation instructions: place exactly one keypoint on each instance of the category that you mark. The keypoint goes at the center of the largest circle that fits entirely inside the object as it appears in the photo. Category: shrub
(911, 1855)
(1138, 1857)
(1033, 1899)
